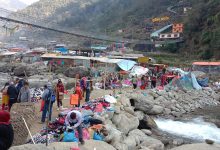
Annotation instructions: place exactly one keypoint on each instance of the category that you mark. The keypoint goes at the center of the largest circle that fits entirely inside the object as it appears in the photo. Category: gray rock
(130, 110)
(147, 123)
(147, 132)
(162, 93)
(117, 109)
(125, 122)
(167, 111)
(72, 72)
(178, 142)
(152, 143)
(125, 101)
(156, 110)
(199, 146)
(98, 145)
(139, 114)
(144, 104)
(130, 141)
(176, 114)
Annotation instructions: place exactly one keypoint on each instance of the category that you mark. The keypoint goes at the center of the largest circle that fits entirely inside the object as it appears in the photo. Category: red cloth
(78, 91)
(42, 105)
(4, 117)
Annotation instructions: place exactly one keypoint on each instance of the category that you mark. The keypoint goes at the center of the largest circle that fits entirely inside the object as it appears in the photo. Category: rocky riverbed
(132, 125)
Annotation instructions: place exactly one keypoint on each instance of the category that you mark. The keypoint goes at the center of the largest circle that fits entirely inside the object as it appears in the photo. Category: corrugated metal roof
(8, 53)
(207, 63)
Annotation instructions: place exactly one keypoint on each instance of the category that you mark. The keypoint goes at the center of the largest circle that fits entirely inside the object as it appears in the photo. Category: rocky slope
(105, 16)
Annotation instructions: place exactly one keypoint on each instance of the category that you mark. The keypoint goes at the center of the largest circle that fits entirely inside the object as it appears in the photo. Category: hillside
(105, 16)
(201, 26)
(202, 29)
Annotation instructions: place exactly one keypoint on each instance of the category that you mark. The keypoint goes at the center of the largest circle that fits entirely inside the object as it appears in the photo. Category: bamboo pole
(28, 130)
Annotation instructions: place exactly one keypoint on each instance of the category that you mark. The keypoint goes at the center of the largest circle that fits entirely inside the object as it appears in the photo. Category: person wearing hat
(48, 105)
(6, 131)
(59, 94)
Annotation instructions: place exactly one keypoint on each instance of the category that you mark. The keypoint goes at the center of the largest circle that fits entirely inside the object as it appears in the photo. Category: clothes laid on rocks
(24, 95)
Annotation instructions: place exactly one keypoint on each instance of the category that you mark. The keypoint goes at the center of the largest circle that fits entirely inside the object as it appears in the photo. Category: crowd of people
(13, 92)
(18, 91)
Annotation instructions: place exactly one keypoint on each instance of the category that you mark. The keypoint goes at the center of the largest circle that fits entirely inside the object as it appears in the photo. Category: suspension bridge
(23, 19)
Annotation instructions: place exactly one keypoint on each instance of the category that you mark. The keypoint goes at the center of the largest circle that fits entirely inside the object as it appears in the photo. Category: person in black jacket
(6, 131)
(13, 94)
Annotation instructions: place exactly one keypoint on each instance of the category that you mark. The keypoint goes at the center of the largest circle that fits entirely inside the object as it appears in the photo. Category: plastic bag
(69, 137)
(74, 99)
(86, 134)
(97, 137)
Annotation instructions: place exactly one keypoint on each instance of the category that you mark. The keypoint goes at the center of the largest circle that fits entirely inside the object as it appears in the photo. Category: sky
(28, 2)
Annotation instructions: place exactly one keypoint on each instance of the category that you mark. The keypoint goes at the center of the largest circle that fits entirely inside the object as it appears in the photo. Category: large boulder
(73, 71)
(199, 146)
(125, 122)
(52, 146)
(98, 145)
(152, 143)
(147, 123)
(143, 103)
(156, 110)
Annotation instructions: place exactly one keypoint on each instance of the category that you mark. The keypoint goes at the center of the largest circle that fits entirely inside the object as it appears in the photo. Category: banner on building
(160, 19)
(178, 28)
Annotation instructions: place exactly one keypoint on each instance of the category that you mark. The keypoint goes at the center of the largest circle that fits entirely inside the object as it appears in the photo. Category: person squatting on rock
(74, 119)
(24, 94)
(49, 98)
(59, 94)
(6, 131)
(5, 97)
(13, 94)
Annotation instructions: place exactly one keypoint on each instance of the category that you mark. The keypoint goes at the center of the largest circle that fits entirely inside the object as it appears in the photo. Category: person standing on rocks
(59, 94)
(74, 119)
(83, 85)
(88, 89)
(6, 131)
(49, 98)
(79, 92)
(134, 82)
(19, 84)
(5, 97)
(13, 94)
(153, 81)
(24, 94)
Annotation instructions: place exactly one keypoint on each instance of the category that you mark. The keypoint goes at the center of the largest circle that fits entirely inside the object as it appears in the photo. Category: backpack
(51, 96)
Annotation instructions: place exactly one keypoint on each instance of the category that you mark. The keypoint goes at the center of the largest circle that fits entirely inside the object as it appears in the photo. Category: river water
(196, 129)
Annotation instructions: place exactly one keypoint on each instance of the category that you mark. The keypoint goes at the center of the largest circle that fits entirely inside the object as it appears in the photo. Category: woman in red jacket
(60, 94)
(79, 92)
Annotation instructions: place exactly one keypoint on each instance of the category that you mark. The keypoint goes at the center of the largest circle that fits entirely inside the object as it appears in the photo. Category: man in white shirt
(74, 119)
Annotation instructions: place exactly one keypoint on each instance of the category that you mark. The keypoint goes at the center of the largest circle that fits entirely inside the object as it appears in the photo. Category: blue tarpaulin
(203, 82)
(63, 50)
(126, 64)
